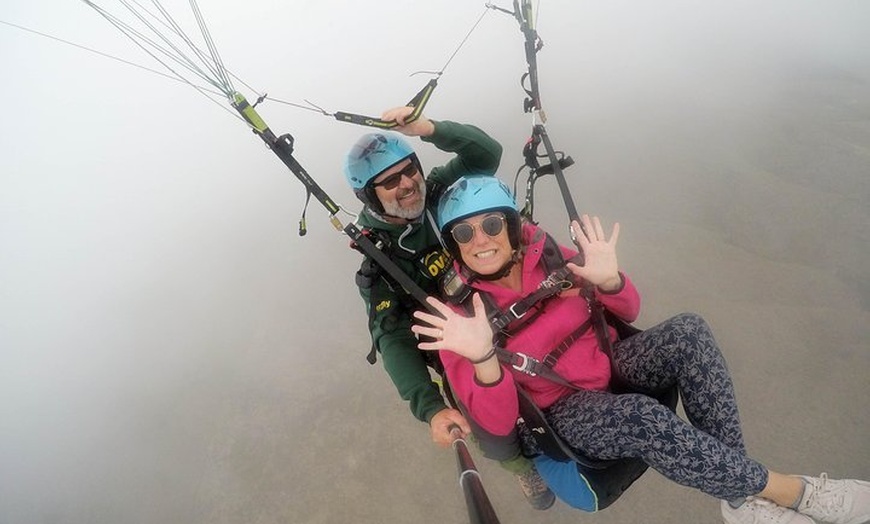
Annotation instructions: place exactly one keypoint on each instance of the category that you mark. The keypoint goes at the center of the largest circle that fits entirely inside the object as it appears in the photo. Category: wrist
(436, 414)
(432, 413)
(488, 372)
(427, 127)
(486, 356)
(428, 134)
(613, 285)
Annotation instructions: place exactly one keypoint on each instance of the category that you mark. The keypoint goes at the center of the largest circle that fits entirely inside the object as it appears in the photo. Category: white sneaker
(762, 511)
(836, 501)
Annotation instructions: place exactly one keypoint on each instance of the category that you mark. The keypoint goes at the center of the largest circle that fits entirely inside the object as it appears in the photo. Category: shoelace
(831, 500)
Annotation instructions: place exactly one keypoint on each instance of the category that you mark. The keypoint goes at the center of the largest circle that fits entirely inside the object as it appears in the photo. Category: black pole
(541, 131)
(480, 510)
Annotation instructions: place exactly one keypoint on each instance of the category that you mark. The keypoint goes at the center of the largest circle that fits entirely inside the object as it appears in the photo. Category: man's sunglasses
(491, 225)
(392, 181)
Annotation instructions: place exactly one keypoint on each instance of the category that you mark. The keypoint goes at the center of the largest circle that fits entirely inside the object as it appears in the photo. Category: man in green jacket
(385, 174)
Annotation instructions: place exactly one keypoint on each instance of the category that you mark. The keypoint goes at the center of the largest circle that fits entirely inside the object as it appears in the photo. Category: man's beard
(408, 213)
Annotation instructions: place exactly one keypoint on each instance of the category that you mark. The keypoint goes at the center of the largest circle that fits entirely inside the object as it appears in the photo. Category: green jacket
(417, 250)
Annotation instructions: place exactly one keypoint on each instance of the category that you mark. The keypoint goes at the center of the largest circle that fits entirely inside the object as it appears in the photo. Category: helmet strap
(370, 199)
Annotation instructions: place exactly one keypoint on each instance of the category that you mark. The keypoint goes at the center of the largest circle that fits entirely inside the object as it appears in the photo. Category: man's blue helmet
(473, 195)
(370, 156)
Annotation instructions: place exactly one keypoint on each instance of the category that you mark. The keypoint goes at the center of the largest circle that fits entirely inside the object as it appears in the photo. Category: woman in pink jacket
(498, 256)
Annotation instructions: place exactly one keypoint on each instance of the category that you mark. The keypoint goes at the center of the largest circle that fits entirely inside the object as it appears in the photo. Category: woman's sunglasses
(392, 181)
(491, 225)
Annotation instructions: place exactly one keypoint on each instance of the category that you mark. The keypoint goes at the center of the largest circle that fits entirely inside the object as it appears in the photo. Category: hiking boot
(536, 490)
(836, 501)
(761, 511)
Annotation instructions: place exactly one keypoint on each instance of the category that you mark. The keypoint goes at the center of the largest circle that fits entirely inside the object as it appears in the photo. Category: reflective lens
(491, 225)
(392, 181)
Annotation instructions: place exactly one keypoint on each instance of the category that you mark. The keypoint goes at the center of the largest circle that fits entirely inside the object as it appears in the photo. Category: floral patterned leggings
(707, 454)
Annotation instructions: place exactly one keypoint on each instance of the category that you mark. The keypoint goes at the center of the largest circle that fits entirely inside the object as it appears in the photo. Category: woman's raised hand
(470, 337)
(601, 267)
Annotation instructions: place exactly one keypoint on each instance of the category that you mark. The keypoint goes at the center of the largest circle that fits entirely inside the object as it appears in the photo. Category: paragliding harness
(371, 271)
(596, 483)
(411, 296)
(368, 274)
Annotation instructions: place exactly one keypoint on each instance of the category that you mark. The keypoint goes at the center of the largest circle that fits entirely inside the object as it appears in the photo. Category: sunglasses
(491, 225)
(392, 181)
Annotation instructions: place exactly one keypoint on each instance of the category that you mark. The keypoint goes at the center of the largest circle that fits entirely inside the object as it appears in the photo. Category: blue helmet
(473, 195)
(371, 155)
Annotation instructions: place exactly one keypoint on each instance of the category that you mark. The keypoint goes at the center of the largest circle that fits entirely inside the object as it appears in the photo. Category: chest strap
(557, 281)
(544, 368)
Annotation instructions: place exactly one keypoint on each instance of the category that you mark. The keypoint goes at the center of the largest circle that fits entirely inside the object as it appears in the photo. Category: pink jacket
(495, 406)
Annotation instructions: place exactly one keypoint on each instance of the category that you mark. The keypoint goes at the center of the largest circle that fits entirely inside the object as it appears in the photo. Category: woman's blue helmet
(370, 156)
(473, 195)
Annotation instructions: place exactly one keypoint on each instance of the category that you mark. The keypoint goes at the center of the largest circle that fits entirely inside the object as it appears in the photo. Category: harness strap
(596, 314)
(518, 309)
(557, 281)
(544, 368)
(367, 277)
(553, 356)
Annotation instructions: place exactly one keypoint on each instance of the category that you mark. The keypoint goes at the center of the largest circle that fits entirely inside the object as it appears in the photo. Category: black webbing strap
(544, 368)
(598, 322)
(596, 315)
(519, 308)
(553, 356)
(548, 288)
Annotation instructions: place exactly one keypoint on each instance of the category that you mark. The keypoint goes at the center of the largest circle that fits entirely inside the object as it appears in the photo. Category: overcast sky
(149, 240)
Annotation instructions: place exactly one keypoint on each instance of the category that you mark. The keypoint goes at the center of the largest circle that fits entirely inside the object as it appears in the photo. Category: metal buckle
(516, 315)
(526, 365)
(552, 280)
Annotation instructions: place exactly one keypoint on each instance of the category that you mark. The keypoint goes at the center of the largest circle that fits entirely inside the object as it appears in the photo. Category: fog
(171, 350)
